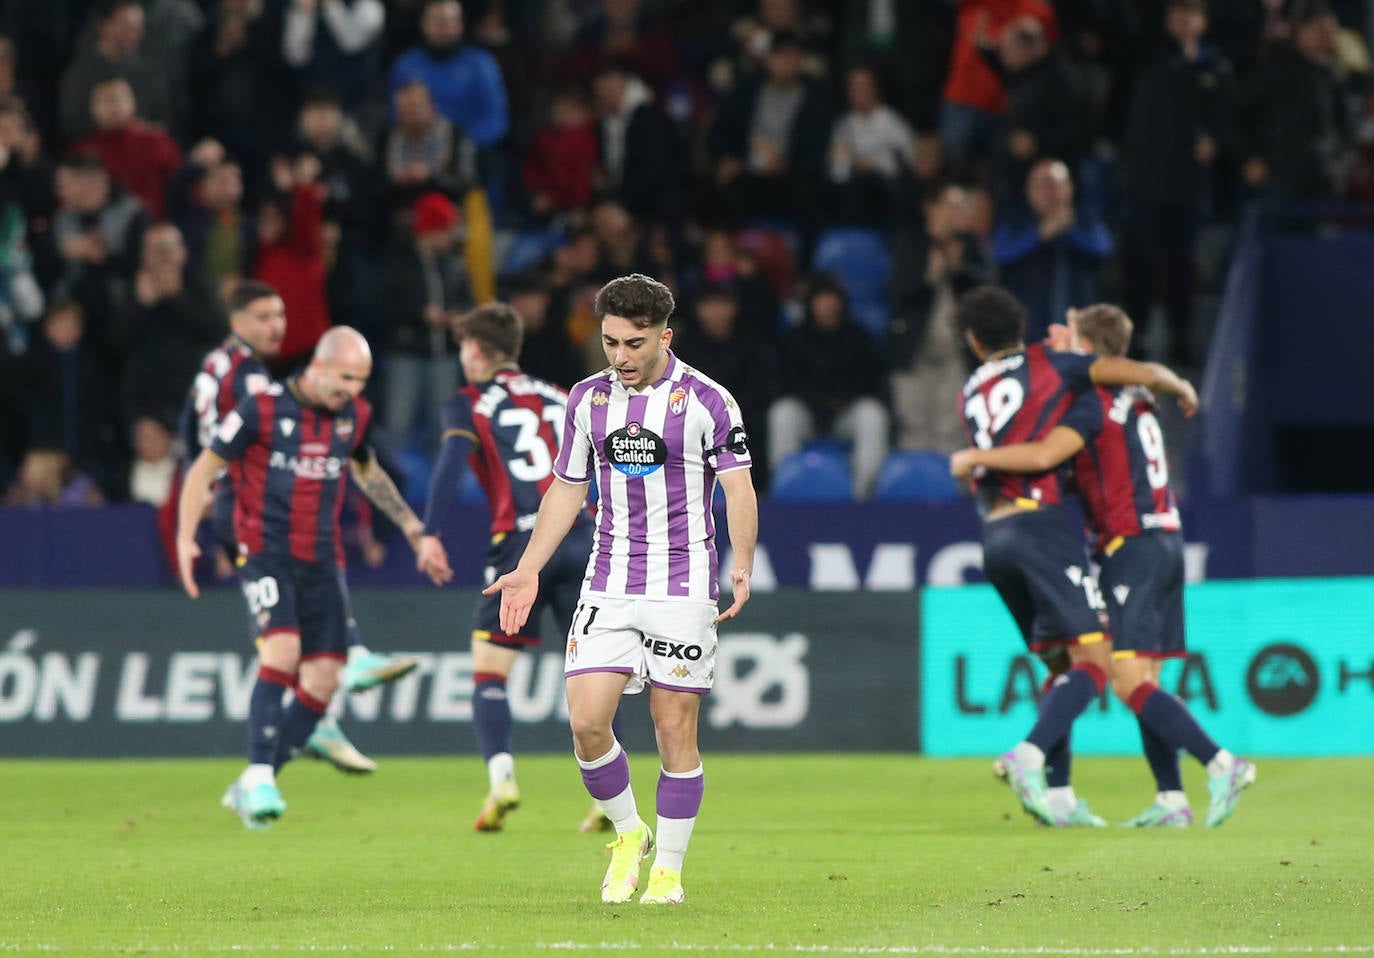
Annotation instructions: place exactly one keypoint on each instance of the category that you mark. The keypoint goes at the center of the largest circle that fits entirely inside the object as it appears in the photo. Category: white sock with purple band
(678, 801)
(608, 781)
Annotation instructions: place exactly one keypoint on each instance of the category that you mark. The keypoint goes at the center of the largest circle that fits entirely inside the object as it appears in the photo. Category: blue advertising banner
(1276, 667)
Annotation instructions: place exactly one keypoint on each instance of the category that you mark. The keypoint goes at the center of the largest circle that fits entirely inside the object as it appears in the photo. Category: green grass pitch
(844, 854)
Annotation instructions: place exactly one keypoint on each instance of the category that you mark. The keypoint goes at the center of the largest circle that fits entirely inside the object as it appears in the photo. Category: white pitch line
(717, 948)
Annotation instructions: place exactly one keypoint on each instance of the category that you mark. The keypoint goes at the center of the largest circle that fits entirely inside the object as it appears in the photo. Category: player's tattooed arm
(378, 487)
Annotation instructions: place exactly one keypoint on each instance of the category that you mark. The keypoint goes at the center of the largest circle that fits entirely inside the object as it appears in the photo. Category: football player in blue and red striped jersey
(289, 450)
(1031, 555)
(505, 426)
(1122, 474)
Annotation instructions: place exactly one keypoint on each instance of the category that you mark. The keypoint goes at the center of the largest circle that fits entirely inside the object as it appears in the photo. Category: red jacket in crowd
(971, 82)
(141, 157)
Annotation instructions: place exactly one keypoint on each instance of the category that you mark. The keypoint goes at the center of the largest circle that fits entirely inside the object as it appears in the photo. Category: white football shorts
(670, 643)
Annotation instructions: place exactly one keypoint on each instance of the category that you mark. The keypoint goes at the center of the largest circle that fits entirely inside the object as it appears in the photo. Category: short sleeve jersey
(1122, 472)
(655, 455)
(288, 465)
(230, 371)
(515, 422)
(1020, 397)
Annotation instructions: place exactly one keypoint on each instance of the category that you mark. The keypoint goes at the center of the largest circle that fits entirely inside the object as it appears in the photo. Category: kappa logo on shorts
(681, 672)
(635, 451)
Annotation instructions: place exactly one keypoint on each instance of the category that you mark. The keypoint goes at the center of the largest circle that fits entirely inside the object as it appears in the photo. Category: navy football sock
(491, 714)
(265, 715)
(1070, 694)
(297, 725)
(1171, 720)
(1162, 758)
(1059, 763)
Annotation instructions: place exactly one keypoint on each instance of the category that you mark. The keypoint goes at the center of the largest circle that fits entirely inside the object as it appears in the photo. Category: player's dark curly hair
(995, 317)
(643, 301)
(499, 329)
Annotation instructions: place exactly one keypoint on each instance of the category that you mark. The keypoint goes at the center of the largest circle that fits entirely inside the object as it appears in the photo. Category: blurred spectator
(622, 35)
(971, 123)
(117, 52)
(204, 201)
(641, 152)
(334, 45)
(154, 469)
(69, 397)
(932, 269)
(832, 385)
(425, 152)
(561, 165)
(728, 268)
(165, 330)
(1172, 134)
(463, 79)
(1296, 132)
(907, 46)
(95, 235)
(1052, 259)
(236, 75)
(872, 151)
(1048, 113)
(47, 477)
(424, 291)
(290, 255)
(770, 141)
(346, 173)
(26, 174)
(752, 38)
(716, 337)
(547, 352)
(13, 85)
(21, 298)
(139, 156)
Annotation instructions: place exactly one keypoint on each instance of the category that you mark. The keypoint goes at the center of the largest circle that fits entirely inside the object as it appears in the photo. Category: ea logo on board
(634, 450)
(1282, 679)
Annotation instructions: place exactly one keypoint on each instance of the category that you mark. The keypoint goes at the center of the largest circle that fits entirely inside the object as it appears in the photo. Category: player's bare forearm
(1030, 457)
(195, 493)
(557, 512)
(742, 516)
(382, 493)
(1120, 371)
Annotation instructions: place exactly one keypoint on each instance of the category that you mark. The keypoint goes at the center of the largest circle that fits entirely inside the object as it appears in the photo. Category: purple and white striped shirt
(655, 455)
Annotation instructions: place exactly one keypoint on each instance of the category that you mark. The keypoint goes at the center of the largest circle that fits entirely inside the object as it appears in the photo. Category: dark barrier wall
(870, 546)
(115, 673)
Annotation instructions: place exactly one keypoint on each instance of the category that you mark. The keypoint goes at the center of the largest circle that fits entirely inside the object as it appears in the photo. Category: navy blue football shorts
(560, 585)
(1038, 564)
(1142, 583)
(309, 598)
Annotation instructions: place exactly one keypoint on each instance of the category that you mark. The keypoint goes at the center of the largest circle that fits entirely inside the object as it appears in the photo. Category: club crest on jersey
(344, 427)
(634, 450)
(677, 400)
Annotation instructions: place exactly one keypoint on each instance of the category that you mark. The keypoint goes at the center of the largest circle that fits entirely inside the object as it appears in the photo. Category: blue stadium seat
(916, 475)
(862, 261)
(812, 476)
(529, 248)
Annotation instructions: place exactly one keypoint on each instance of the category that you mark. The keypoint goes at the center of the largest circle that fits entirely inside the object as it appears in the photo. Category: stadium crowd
(816, 181)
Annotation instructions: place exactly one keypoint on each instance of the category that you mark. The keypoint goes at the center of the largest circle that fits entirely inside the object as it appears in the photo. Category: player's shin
(298, 724)
(677, 802)
(491, 723)
(265, 715)
(608, 781)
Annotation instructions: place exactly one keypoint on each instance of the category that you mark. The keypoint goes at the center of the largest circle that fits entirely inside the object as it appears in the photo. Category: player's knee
(1123, 686)
(591, 735)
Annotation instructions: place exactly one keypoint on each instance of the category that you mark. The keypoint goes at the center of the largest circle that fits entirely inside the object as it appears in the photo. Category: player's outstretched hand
(518, 591)
(1187, 399)
(432, 560)
(739, 580)
(187, 554)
